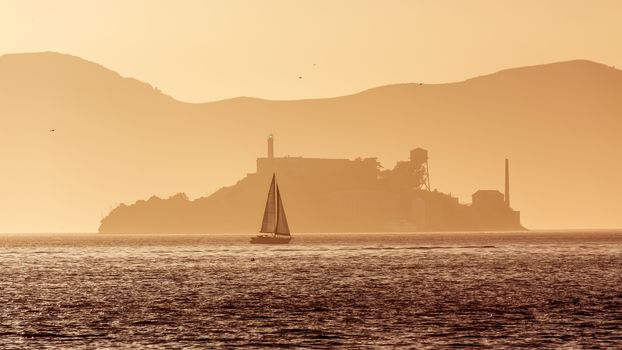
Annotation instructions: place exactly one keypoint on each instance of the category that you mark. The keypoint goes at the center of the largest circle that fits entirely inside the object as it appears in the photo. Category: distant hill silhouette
(119, 140)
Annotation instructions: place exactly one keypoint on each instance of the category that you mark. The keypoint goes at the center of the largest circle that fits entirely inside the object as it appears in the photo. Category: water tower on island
(419, 161)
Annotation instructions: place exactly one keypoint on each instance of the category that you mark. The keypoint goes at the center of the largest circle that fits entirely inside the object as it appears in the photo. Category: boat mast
(278, 194)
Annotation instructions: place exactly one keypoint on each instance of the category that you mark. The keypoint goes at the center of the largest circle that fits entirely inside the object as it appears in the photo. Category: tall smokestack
(507, 182)
(270, 147)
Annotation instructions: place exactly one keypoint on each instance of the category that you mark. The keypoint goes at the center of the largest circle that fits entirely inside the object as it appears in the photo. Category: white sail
(268, 225)
(281, 220)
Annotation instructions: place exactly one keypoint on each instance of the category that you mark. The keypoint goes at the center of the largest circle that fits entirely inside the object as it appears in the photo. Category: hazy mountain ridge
(119, 140)
(47, 69)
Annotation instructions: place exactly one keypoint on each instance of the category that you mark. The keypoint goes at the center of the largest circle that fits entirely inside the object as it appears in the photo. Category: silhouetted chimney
(270, 147)
(507, 182)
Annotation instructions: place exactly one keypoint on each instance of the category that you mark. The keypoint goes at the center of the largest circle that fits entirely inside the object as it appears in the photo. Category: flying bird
(52, 130)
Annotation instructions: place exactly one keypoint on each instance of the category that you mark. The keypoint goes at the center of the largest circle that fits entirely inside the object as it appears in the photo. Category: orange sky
(198, 50)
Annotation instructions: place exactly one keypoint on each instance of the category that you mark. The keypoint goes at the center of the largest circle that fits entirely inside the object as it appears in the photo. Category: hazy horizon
(68, 177)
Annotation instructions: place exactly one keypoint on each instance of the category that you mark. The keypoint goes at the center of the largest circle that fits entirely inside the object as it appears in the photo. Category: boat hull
(270, 240)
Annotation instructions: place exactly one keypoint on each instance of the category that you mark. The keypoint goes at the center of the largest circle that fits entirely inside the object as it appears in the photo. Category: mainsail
(268, 224)
(274, 219)
(281, 220)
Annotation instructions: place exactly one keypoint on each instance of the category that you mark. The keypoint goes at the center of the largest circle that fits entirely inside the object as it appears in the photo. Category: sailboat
(274, 225)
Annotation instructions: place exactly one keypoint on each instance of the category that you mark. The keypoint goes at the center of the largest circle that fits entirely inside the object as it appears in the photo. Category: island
(324, 195)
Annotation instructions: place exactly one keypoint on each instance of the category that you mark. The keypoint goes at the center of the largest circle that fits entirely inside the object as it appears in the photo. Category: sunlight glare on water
(425, 290)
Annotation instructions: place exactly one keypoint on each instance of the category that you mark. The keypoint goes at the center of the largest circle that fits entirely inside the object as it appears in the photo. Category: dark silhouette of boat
(274, 224)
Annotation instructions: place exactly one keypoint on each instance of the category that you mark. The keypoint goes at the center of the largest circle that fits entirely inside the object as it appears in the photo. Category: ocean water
(442, 290)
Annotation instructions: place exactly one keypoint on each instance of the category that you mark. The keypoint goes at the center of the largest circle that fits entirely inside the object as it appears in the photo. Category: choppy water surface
(351, 290)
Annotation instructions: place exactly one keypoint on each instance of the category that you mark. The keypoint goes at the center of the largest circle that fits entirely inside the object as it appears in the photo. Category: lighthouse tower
(270, 147)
